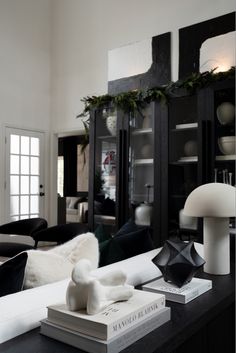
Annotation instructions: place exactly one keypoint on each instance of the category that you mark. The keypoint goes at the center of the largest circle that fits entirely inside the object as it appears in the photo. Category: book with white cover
(182, 295)
(115, 318)
(113, 345)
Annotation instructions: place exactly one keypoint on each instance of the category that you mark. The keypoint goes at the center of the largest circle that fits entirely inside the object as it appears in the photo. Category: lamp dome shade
(211, 200)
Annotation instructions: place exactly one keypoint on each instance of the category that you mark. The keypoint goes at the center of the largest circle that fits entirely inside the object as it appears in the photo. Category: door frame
(55, 135)
(44, 175)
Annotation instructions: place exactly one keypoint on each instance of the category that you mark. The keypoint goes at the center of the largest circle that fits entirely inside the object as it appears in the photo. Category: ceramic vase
(190, 148)
(225, 113)
(143, 214)
(146, 122)
(146, 151)
(111, 124)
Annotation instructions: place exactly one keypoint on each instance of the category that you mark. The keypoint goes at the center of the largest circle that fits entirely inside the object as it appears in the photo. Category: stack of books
(113, 329)
(182, 295)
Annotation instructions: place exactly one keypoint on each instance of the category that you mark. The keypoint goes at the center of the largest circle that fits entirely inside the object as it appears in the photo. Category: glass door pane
(224, 137)
(105, 170)
(141, 166)
(183, 162)
(24, 174)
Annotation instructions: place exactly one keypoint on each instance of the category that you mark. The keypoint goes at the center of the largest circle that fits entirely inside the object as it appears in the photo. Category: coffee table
(204, 325)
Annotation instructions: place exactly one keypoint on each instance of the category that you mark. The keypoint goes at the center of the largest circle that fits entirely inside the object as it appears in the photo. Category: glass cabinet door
(105, 166)
(224, 140)
(183, 162)
(224, 135)
(141, 166)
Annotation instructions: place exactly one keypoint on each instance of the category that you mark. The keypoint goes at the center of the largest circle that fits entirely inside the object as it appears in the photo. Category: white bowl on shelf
(227, 144)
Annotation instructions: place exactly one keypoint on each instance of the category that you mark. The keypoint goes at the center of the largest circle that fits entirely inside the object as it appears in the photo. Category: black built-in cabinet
(171, 147)
(192, 155)
(125, 167)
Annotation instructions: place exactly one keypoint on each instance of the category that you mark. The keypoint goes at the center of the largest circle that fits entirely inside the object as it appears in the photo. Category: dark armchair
(23, 227)
(60, 233)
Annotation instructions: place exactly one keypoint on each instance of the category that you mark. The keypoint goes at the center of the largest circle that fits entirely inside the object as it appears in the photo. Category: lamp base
(216, 245)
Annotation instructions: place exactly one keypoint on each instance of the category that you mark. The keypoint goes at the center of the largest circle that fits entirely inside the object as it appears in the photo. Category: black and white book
(113, 345)
(114, 319)
(182, 295)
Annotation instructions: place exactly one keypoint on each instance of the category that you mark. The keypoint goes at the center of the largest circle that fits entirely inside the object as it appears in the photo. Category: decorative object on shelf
(146, 150)
(215, 174)
(178, 261)
(111, 121)
(143, 213)
(225, 113)
(225, 176)
(109, 162)
(230, 179)
(190, 148)
(215, 202)
(146, 122)
(95, 294)
(227, 145)
(186, 222)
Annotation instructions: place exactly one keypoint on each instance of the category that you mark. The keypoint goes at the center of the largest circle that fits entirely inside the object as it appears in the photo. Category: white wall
(25, 44)
(52, 56)
(84, 31)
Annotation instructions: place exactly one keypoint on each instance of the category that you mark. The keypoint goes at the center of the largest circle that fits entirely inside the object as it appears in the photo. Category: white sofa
(75, 211)
(21, 312)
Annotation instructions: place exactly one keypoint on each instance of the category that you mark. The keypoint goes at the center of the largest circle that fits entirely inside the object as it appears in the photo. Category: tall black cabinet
(158, 156)
(125, 167)
(193, 152)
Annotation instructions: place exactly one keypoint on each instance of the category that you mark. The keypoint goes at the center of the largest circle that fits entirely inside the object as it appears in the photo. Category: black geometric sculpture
(178, 262)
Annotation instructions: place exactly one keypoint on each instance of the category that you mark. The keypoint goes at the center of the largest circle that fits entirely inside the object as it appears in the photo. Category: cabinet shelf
(107, 137)
(181, 127)
(142, 131)
(147, 161)
(229, 157)
(104, 219)
(185, 160)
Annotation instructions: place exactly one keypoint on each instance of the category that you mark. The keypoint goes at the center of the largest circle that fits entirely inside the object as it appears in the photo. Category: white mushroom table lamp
(215, 202)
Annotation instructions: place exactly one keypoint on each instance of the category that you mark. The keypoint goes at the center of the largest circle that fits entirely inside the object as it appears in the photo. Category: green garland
(136, 100)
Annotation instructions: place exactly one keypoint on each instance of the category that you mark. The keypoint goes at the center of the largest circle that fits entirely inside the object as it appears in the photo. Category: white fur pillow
(84, 246)
(45, 267)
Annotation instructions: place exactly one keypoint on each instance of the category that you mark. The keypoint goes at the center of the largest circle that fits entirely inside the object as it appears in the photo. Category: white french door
(24, 185)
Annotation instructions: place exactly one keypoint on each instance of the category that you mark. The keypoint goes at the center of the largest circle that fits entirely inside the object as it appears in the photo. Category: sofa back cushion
(135, 243)
(12, 274)
(130, 240)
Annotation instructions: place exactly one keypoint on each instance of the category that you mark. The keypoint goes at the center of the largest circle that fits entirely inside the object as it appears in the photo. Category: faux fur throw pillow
(84, 246)
(45, 267)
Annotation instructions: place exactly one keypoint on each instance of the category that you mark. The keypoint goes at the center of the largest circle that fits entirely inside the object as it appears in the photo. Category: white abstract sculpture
(94, 294)
(215, 202)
